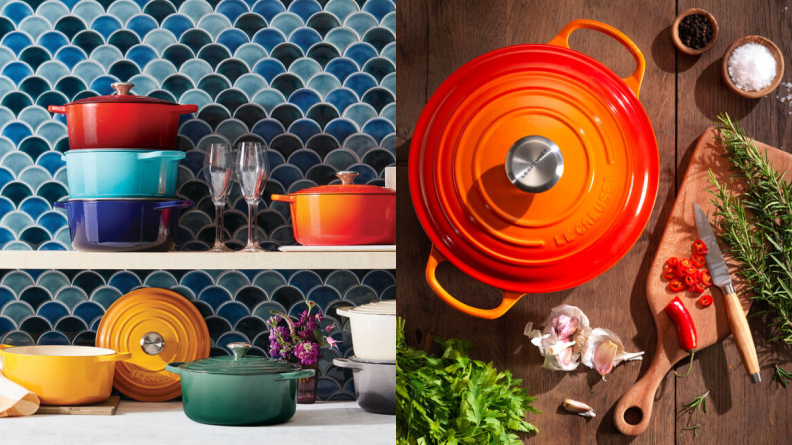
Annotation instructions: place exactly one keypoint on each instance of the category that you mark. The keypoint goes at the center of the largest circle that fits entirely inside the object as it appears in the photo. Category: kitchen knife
(720, 277)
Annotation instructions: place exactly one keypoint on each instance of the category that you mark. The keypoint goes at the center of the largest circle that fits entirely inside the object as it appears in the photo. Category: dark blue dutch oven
(123, 225)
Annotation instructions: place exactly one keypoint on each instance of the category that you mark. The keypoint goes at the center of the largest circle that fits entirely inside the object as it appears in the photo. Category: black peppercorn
(695, 31)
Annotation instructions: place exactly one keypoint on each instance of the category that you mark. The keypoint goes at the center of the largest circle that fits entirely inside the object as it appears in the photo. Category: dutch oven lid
(347, 187)
(158, 326)
(534, 168)
(385, 307)
(122, 95)
(238, 364)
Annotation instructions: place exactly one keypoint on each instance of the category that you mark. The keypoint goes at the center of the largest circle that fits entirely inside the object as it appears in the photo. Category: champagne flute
(252, 168)
(218, 169)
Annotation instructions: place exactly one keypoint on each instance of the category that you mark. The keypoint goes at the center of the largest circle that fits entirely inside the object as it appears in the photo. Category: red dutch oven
(122, 120)
(534, 168)
(343, 215)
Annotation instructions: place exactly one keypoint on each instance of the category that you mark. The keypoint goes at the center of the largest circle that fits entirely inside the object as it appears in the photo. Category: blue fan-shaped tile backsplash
(314, 79)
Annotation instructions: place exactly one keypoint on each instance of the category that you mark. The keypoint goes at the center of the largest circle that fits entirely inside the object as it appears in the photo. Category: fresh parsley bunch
(453, 399)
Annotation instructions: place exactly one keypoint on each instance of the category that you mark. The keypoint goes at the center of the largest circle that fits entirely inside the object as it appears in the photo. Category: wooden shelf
(196, 260)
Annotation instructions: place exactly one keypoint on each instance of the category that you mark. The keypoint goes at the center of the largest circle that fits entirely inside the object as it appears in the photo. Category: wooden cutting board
(711, 323)
(106, 408)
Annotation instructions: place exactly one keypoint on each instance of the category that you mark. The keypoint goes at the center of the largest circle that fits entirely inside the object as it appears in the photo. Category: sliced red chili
(696, 288)
(705, 300)
(683, 265)
(699, 247)
(669, 273)
(698, 260)
(706, 278)
(686, 330)
(676, 285)
(689, 271)
(672, 262)
(690, 280)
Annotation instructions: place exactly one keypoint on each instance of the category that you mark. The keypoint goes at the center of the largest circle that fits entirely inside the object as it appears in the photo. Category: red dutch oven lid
(534, 168)
(347, 187)
(122, 96)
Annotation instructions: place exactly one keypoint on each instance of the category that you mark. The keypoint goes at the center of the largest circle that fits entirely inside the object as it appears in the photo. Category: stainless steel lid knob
(534, 164)
(152, 343)
(239, 349)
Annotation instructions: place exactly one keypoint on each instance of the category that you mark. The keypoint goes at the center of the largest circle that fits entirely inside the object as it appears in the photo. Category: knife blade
(721, 278)
(715, 262)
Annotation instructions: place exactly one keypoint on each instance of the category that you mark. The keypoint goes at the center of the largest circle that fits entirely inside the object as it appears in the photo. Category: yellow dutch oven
(62, 375)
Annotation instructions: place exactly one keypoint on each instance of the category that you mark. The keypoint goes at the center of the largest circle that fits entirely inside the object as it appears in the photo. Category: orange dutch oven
(534, 168)
(346, 214)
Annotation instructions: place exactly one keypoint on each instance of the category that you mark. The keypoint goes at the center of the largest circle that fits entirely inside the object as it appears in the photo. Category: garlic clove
(613, 349)
(604, 354)
(573, 406)
(564, 321)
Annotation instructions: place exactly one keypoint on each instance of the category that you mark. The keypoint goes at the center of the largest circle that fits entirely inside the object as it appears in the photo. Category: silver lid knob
(534, 164)
(152, 343)
(347, 177)
(239, 349)
(122, 88)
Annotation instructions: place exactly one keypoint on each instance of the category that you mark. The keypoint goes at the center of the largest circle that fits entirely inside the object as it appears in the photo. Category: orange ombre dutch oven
(534, 168)
(346, 214)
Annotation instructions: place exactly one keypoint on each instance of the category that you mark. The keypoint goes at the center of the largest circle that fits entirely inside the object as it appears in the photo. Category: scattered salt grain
(752, 67)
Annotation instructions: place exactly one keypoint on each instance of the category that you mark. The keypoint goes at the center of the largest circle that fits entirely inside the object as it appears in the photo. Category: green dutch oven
(239, 390)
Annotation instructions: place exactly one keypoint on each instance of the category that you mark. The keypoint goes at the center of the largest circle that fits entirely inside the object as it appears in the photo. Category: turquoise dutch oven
(96, 174)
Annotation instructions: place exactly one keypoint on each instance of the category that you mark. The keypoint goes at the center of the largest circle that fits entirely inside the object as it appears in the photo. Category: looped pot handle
(346, 363)
(173, 204)
(174, 367)
(634, 81)
(282, 198)
(509, 297)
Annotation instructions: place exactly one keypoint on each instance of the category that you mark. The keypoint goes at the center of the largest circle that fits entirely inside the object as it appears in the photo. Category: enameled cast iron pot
(375, 383)
(534, 168)
(97, 174)
(123, 225)
(122, 120)
(62, 375)
(373, 327)
(239, 390)
(343, 215)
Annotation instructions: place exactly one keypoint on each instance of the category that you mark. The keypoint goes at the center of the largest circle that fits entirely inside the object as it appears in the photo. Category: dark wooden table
(682, 95)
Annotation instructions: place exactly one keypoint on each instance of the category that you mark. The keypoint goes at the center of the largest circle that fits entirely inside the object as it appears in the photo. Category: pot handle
(283, 198)
(509, 297)
(119, 356)
(346, 363)
(173, 204)
(174, 367)
(60, 204)
(634, 81)
(60, 109)
(297, 374)
(167, 154)
(1, 350)
(187, 108)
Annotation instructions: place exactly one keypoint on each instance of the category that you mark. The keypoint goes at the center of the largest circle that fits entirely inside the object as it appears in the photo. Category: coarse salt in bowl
(752, 67)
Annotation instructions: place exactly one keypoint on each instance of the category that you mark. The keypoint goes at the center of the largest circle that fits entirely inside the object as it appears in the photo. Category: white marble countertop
(137, 423)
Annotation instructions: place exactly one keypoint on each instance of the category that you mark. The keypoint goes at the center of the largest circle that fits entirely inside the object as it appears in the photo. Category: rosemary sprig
(694, 428)
(757, 225)
(698, 403)
(782, 375)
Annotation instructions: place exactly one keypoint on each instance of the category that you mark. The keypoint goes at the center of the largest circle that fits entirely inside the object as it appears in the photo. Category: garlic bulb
(573, 406)
(561, 338)
(603, 350)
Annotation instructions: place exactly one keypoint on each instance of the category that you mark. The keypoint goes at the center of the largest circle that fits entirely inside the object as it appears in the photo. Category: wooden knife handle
(742, 336)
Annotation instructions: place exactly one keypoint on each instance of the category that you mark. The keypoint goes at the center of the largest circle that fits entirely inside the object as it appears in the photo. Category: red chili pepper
(672, 262)
(705, 300)
(696, 288)
(698, 260)
(690, 280)
(706, 278)
(686, 330)
(676, 285)
(669, 273)
(699, 247)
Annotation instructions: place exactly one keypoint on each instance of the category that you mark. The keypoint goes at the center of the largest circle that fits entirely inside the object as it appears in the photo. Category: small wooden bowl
(779, 58)
(675, 31)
